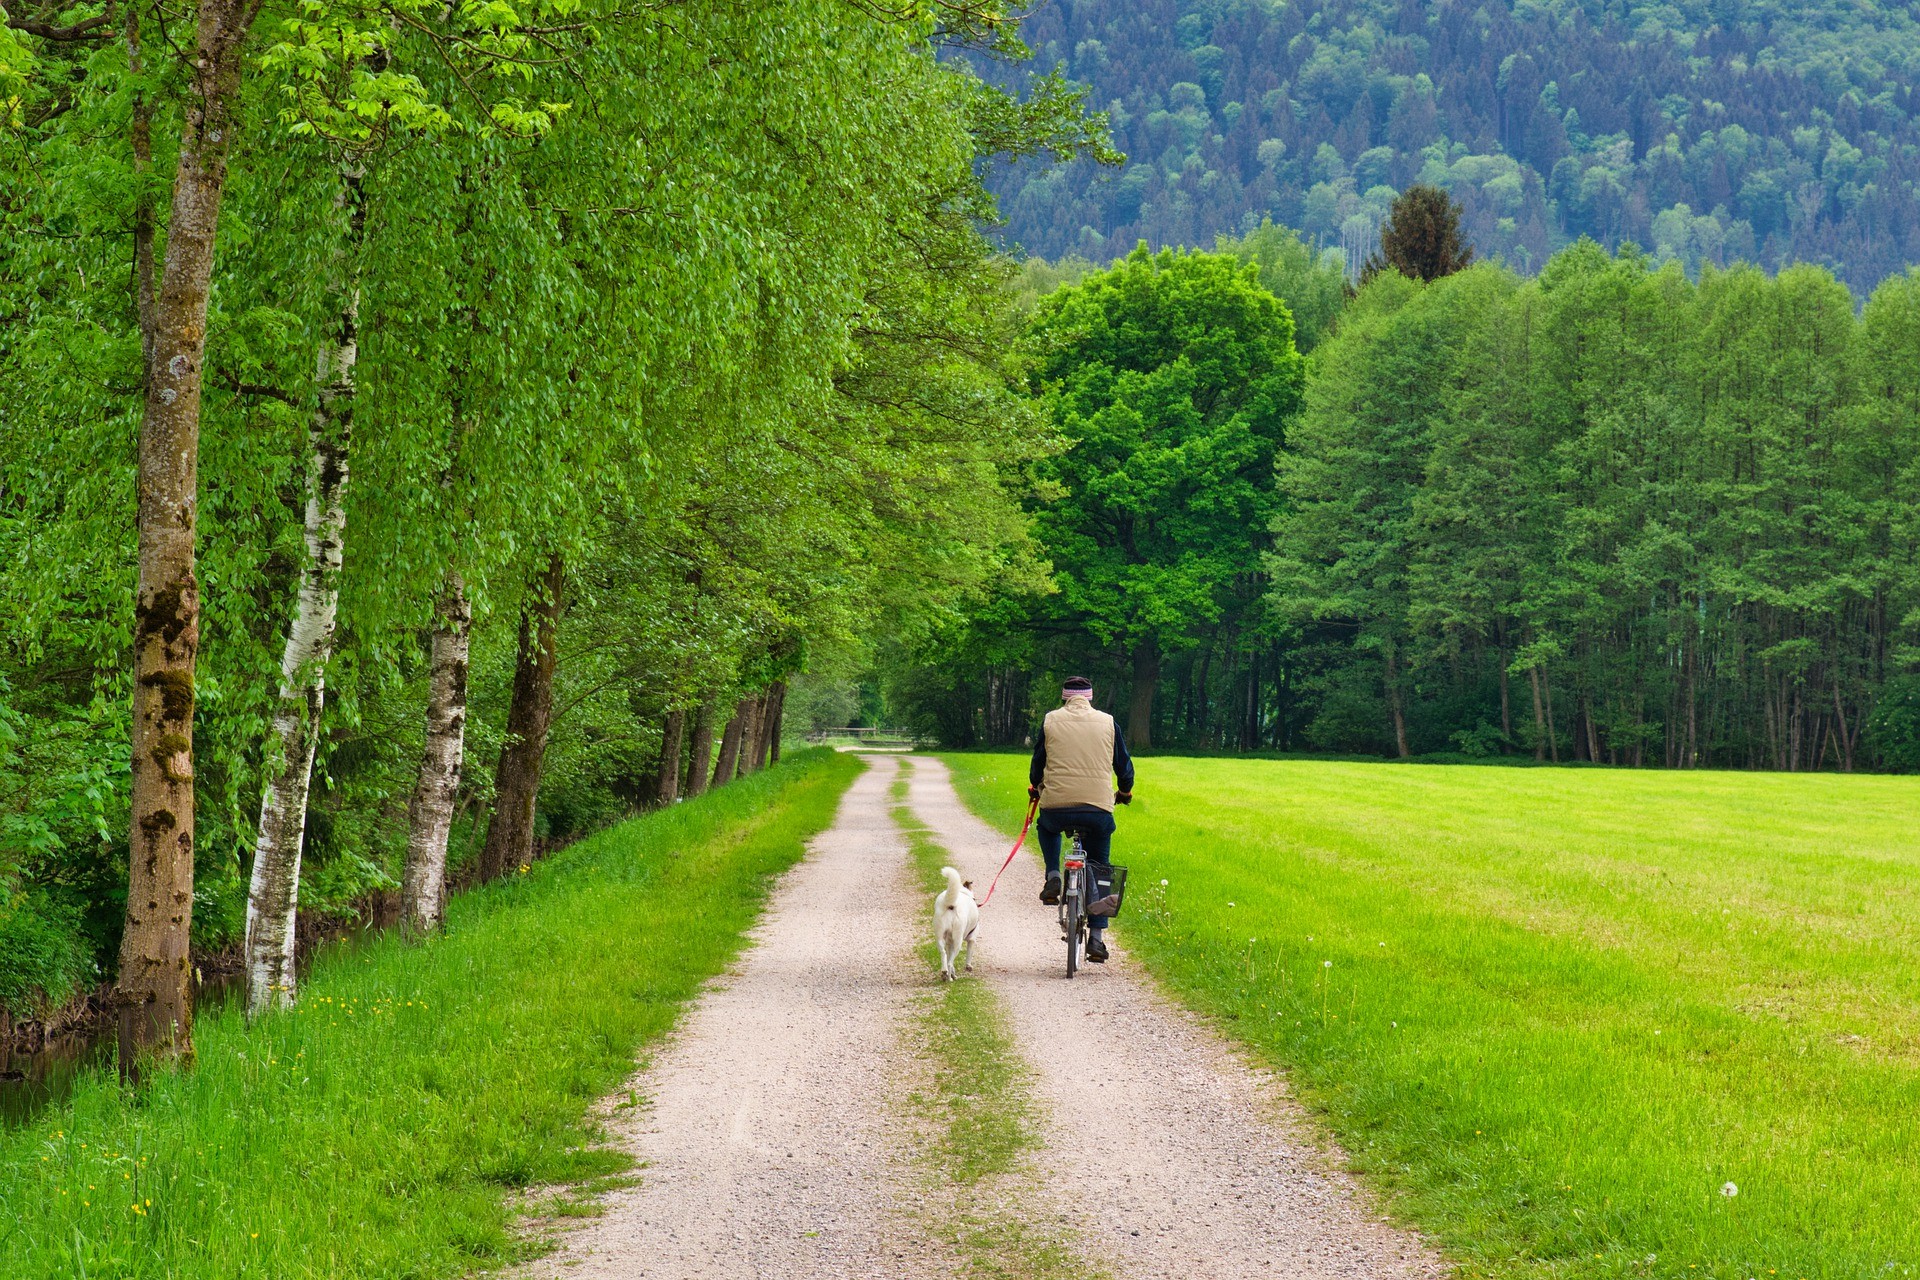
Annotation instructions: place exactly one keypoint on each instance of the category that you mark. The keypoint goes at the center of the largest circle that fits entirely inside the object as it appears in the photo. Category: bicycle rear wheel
(1071, 900)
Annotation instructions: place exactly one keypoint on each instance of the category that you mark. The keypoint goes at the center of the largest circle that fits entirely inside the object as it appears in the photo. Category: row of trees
(1608, 514)
(429, 418)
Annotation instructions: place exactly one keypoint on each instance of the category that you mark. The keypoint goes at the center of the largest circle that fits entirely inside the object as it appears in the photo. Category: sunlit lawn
(1574, 1022)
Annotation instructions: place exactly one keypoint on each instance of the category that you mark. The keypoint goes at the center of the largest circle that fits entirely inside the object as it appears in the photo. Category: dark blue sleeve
(1037, 771)
(1122, 762)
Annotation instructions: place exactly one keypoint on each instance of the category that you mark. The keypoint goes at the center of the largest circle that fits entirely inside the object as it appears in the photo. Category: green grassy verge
(382, 1128)
(983, 1117)
(1582, 1023)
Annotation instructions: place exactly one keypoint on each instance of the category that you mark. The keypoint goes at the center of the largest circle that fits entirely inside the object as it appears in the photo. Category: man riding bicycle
(1076, 760)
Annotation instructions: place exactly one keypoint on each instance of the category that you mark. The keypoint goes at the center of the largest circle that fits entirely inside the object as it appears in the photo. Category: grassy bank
(1576, 1023)
(982, 1122)
(378, 1130)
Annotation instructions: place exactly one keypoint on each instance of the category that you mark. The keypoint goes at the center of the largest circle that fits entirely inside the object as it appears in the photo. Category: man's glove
(1123, 797)
(1033, 793)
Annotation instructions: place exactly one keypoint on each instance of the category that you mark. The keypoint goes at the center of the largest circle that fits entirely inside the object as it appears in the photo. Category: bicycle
(1073, 918)
(1077, 903)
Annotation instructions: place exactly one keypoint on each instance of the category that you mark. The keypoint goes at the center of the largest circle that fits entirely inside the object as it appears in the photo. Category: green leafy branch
(341, 86)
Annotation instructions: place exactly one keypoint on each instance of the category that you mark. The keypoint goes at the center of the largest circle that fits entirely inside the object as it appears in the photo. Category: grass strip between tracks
(983, 1122)
(381, 1129)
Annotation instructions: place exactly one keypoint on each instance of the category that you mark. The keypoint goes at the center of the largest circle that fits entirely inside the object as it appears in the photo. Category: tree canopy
(1170, 378)
(571, 379)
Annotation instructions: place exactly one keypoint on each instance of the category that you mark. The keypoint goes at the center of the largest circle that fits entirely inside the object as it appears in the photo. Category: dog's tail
(954, 883)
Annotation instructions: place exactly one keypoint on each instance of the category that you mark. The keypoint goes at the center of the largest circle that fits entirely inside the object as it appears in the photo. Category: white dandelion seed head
(1326, 964)
(1163, 884)
(1728, 1190)
(1229, 904)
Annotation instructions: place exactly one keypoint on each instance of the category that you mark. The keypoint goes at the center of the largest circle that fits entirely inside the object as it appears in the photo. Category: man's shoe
(1050, 891)
(1096, 948)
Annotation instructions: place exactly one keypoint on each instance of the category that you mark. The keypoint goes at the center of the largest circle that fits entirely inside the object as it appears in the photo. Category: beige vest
(1079, 757)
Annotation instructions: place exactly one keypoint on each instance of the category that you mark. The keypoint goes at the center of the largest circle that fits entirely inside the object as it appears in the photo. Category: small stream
(30, 1082)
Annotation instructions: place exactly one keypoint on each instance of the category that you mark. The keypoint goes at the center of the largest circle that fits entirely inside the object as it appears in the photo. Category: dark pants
(1096, 837)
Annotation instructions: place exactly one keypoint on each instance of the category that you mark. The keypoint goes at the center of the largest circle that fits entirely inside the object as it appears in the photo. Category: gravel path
(1205, 1167)
(771, 1136)
(768, 1143)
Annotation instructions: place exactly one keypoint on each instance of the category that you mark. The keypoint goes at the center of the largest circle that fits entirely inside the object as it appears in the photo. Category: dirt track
(1205, 1168)
(771, 1135)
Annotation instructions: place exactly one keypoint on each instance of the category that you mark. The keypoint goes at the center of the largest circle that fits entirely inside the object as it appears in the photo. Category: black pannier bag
(1106, 889)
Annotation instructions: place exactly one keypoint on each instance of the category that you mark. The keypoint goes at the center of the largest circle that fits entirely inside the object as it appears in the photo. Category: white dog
(955, 916)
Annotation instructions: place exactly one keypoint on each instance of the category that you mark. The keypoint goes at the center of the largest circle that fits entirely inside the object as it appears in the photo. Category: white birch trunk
(430, 811)
(273, 897)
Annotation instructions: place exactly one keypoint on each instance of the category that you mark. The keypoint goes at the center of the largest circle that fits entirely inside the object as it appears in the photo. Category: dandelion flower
(1163, 884)
(1326, 964)
(1728, 1190)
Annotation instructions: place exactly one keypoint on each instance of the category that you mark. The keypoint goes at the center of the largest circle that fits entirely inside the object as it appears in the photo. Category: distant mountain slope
(1762, 130)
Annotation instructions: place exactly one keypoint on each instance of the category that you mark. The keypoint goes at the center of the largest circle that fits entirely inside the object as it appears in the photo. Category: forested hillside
(1708, 130)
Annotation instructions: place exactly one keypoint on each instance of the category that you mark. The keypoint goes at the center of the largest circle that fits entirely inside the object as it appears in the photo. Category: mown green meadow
(381, 1129)
(1572, 1022)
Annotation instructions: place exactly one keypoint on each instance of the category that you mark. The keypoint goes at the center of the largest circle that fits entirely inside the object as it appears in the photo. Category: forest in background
(1706, 131)
(1608, 514)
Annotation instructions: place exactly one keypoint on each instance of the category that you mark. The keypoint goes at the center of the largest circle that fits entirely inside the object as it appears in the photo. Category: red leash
(1032, 808)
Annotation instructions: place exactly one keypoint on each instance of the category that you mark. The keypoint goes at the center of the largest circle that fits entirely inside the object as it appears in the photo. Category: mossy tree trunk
(516, 782)
(155, 981)
(672, 738)
(1146, 678)
(753, 732)
(700, 753)
(723, 768)
(775, 720)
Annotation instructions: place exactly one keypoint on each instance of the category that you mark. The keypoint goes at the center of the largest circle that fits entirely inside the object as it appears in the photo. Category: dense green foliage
(1608, 515)
(1769, 131)
(1682, 513)
(378, 1130)
(1171, 375)
(685, 311)
(1550, 1029)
